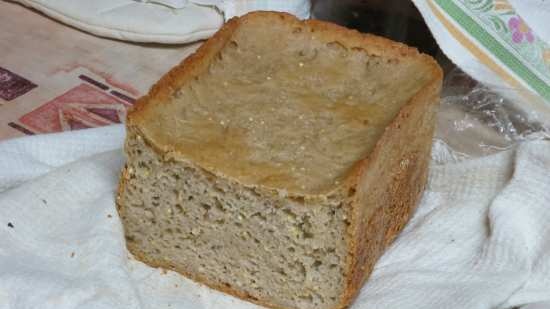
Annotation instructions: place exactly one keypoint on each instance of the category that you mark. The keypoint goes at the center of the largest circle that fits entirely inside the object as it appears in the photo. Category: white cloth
(480, 238)
(159, 21)
(231, 8)
(133, 21)
(493, 42)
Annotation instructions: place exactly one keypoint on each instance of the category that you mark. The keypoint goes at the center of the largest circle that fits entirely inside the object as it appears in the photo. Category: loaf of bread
(279, 161)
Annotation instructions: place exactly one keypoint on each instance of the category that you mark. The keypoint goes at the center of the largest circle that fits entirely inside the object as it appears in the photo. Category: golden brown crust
(323, 31)
(189, 67)
(384, 190)
(389, 184)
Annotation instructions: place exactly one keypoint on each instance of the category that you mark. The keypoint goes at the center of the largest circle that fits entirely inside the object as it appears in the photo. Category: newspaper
(56, 78)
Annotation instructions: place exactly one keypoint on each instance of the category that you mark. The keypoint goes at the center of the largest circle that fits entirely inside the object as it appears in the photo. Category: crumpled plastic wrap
(475, 121)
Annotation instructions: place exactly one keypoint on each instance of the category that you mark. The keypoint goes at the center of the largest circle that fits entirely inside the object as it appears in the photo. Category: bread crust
(392, 193)
(381, 201)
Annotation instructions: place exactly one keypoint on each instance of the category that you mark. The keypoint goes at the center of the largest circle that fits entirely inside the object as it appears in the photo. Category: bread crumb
(10, 225)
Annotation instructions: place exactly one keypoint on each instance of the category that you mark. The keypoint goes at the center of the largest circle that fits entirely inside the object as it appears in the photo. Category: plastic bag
(475, 121)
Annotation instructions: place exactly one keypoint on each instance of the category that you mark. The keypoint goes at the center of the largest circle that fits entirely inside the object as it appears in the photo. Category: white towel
(503, 43)
(159, 21)
(480, 238)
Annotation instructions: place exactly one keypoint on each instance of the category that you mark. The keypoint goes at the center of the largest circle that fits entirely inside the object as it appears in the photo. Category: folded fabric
(231, 8)
(479, 239)
(160, 21)
(503, 43)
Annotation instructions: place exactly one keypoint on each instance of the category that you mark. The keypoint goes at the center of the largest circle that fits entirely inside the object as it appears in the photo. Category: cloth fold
(504, 44)
(159, 21)
(479, 239)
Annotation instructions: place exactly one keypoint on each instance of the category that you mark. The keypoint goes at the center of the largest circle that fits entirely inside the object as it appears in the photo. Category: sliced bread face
(278, 161)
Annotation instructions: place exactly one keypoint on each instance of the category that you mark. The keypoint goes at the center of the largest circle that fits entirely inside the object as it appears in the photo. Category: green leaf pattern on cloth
(512, 42)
